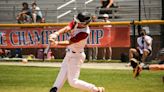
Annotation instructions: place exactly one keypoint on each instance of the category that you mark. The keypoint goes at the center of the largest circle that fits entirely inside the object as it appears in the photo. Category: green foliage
(40, 79)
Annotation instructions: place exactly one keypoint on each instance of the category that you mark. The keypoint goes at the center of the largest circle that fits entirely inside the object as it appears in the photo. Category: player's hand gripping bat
(51, 39)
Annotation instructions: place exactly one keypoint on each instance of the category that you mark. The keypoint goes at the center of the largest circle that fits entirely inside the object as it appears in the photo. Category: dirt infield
(85, 65)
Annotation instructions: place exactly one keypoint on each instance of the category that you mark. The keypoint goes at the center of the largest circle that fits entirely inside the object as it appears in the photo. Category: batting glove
(52, 37)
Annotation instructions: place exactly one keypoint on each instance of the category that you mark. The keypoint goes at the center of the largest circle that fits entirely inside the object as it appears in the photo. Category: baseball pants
(70, 70)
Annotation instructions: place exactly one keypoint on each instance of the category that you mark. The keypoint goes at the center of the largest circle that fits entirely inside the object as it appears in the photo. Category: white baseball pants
(70, 70)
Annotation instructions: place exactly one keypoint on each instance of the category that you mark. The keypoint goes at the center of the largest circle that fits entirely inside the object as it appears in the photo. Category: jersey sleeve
(78, 37)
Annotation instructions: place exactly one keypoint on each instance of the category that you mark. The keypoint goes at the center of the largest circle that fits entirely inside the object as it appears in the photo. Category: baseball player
(138, 68)
(75, 56)
(144, 48)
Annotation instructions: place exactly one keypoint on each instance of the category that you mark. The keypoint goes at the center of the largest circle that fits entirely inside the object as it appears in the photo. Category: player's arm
(80, 36)
(52, 37)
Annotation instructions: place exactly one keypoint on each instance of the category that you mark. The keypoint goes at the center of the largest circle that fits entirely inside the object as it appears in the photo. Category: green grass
(40, 79)
(60, 60)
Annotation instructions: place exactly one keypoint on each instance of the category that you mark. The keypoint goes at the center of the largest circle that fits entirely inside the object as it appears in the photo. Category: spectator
(25, 15)
(92, 52)
(106, 19)
(36, 13)
(95, 49)
(16, 53)
(144, 48)
(2, 53)
(138, 68)
(106, 5)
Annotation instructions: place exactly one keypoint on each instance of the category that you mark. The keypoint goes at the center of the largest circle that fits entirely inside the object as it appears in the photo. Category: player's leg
(95, 53)
(74, 65)
(146, 53)
(34, 17)
(110, 53)
(104, 53)
(137, 70)
(156, 67)
(136, 67)
(61, 78)
(132, 53)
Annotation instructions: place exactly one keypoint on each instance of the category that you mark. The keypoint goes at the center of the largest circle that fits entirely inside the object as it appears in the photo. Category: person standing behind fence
(36, 13)
(92, 51)
(75, 56)
(95, 49)
(106, 19)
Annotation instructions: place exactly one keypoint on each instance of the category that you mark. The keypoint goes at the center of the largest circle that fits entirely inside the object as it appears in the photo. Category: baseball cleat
(54, 89)
(137, 71)
(101, 89)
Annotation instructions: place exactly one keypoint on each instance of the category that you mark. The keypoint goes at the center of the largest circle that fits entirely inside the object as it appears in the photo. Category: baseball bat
(47, 49)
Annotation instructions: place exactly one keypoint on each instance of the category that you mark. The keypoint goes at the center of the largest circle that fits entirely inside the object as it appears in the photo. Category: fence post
(133, 34)
(162, 26)
(139, 15)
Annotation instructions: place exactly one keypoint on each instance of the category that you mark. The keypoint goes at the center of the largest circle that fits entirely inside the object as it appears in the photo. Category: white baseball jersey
(79, 46)
(75, 56)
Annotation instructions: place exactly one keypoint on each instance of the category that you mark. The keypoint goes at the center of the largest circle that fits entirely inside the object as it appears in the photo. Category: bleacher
(128, 9)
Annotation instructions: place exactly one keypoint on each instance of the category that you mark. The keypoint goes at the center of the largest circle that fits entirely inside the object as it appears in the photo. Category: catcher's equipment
(83, 18)
(54, 89)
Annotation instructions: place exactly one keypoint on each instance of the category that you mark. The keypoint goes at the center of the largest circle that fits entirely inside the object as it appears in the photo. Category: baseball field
(40, 79)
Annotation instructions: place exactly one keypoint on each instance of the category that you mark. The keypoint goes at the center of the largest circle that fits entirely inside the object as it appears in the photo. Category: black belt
(69, 50)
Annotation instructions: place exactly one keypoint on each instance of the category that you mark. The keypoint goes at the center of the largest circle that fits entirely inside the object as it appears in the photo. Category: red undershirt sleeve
(71, 24)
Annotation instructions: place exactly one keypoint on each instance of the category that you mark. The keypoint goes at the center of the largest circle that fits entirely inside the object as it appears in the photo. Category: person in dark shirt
(25, 15)
(106, 5)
